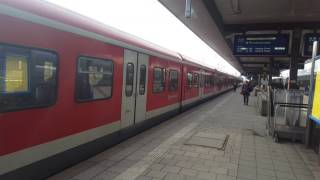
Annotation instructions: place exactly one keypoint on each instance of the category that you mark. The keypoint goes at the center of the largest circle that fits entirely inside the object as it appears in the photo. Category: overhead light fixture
(235, 6)
(188, 10)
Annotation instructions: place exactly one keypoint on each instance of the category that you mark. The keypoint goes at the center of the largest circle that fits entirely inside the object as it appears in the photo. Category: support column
(270, 71)
(295, 52)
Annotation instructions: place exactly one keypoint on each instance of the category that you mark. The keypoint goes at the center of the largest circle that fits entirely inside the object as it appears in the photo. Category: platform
(163, 152)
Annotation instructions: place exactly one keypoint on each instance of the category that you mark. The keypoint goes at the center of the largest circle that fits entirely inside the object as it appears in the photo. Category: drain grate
(208, 139)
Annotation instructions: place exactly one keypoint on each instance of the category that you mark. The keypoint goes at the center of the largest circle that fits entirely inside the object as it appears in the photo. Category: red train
(71, 87)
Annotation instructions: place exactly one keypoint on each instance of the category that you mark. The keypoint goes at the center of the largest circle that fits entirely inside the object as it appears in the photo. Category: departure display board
(308, 40)
(261, 45)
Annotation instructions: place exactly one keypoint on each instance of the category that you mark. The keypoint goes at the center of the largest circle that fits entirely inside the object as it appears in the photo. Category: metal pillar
(295, 52)
(270, 71)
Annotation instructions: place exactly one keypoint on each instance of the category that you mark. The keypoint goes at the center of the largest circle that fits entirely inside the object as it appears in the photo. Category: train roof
(45, 13)
(190, 61)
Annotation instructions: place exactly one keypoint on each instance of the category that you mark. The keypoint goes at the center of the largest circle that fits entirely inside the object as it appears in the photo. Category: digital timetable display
(261, 45)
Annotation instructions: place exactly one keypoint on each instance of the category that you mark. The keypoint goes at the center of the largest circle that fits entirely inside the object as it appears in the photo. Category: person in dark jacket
(245, 91)
(235, 85)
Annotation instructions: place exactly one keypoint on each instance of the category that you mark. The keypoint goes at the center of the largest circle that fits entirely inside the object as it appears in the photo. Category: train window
(212, 81)
(217, 81)
(129, 79)
(159, 79)
(94, 79)
(208, 81)
(28, 78)
(142, 80)
(173, 80)
(189, 79)
(196, 80)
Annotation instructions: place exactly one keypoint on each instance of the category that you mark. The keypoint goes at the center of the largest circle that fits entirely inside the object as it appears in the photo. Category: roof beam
(240, 28)
(215, 14)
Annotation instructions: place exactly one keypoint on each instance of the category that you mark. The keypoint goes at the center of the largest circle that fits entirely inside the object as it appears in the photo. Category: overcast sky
(149, 20)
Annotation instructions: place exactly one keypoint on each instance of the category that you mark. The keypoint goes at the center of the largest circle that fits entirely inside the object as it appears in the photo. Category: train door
(133, 107)
(129, 88)
(201, 86)
(141, 95)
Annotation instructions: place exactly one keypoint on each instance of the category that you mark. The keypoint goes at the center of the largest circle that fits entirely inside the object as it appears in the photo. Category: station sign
(308, 40)
(261, 45)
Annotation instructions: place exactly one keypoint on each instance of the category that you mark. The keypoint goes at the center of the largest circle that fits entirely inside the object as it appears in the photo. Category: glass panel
(196, 80)
(45, 81)
(28, 78)
(142, 80)
(212, 81)
(173, 80)
(129, 79)
(189, 79)
(158, 84)
(94, 80)
(48, 70)
(16, 74)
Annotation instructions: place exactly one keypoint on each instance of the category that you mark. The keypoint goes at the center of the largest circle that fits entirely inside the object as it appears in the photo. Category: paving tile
(191, 154)
(171, 169)
(118, 169)
(206, 156)
(248, 163)
(192, 178)
(174, 176)
(106, 175)
(188, 172)
(156, 174)
(184, 164)
(222, 159)
(156, 166)
(305, 177)
(264, 160)
(265, 165)
(285, 175)
(144, 178)
(178, 152)
(246, 157)
(247, 175)
(263, 177)
(225, 177)
(89, 173)
(106, 163)
(247, 169)
(168, 161)
(304, 171)
(283, 168)
(232, 172)
(266, 172)
(208, 176)
(200, 167)
(219, 170)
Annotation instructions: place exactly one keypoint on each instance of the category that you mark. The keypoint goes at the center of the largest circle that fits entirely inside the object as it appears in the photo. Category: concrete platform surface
(161, 152)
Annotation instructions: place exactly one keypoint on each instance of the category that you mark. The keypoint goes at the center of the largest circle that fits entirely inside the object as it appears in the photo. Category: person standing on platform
(235, 85)
(245, 91)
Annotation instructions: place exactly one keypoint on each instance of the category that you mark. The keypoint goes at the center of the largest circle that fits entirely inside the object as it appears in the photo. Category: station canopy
(253, 35)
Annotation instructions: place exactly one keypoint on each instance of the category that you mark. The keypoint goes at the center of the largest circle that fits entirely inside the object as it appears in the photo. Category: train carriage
(71, 87)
